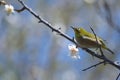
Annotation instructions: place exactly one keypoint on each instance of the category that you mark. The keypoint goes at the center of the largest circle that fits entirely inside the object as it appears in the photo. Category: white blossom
(9, 9)
(117, 62)
(73, 51)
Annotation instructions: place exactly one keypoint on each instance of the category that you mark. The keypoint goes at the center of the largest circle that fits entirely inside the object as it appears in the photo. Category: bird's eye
(78, 30)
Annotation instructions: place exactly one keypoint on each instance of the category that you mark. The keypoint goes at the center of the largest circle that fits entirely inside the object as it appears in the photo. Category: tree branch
(66, 36)
(93, 65)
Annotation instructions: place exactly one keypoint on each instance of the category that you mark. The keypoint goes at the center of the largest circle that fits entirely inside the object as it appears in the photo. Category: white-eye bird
(86, 39)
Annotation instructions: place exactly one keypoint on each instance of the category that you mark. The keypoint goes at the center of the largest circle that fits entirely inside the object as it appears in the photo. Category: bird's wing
(89, 38)
(100, 41)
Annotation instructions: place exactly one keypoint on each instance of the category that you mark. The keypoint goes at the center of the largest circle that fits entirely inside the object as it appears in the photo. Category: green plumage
(88, 40)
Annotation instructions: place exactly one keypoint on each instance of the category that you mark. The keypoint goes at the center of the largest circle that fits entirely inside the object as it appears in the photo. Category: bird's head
(76, 30)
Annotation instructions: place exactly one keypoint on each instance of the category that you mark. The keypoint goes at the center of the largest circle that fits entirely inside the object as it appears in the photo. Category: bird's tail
(109, 50)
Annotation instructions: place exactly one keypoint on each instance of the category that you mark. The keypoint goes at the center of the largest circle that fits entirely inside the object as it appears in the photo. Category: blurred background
(31, 51)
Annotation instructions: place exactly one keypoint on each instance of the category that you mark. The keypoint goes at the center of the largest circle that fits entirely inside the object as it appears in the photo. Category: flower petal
(73, 51)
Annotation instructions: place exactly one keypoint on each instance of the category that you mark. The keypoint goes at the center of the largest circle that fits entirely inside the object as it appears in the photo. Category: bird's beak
(75, 29)
(72, 27)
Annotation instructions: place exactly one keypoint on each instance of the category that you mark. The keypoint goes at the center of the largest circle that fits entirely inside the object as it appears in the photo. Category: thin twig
(20, 10)
(97, 41)
(102, 57)
(118, 76)
(94, 35)
(93, 65)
